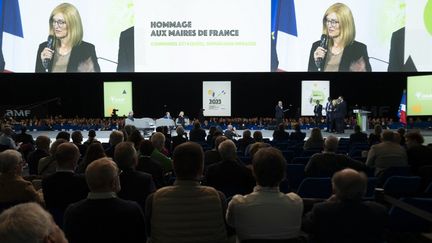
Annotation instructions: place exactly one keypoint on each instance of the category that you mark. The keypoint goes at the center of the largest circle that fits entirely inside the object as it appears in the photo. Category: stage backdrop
(217, 98)
(117, 95)
(419, 98)
(311, 92)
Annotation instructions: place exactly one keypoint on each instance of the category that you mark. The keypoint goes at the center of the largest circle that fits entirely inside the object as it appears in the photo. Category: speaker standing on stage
(329, 112)
(279, 113)
(340, 113)
(65, 51)
(318, 113)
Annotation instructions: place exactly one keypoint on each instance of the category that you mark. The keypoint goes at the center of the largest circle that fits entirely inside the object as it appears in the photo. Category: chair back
(317, 187)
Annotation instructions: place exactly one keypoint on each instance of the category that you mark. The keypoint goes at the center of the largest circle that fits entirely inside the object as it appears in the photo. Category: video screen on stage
(215, 36)
(117, 99)
(314, 93)
(419, 95)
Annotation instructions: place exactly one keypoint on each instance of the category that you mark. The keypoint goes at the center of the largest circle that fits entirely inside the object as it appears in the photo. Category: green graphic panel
(117, 95)
(419, 94)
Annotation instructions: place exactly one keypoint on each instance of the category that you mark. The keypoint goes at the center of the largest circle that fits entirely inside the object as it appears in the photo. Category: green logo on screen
(428, 17)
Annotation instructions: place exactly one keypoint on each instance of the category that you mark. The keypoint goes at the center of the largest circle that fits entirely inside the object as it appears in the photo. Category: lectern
(362, 119)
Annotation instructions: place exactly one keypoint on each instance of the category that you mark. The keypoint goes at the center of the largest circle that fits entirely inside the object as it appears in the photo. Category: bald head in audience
(29, 223)
(349, 185)
(102, 176)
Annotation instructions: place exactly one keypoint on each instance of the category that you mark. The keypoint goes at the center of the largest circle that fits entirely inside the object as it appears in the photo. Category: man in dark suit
(64, 186)
(318, 113)
(229, 175)
(279, 113)
(135, 185)
(126, 56)
(103, 217)
(329, 113)
(344, 217)
(340, 113)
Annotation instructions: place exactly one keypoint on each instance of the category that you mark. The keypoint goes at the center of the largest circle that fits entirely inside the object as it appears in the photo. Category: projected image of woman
(65, 50)
(337, 50)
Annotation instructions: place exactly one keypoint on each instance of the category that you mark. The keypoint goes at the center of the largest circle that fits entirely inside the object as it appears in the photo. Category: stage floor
(103, 136)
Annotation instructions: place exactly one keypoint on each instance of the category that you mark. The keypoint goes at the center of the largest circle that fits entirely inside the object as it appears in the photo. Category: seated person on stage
(186, 211)
(325, 164)
(102, 216)
(182, 120)
(345, 217)
(230, 175)
(280, 135)
(266, 213)
(167, 115)
(358, 136)
(386, 154)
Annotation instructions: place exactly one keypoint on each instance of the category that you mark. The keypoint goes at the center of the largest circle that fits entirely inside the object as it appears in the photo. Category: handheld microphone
(50, 44)
(323, 44)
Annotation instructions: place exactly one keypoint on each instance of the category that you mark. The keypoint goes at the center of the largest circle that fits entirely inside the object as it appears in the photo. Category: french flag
(10, 22)
(284, 34)
(402, 109)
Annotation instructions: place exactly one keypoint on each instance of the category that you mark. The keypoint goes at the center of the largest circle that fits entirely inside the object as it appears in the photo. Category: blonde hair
(346, 23)
(73, 21)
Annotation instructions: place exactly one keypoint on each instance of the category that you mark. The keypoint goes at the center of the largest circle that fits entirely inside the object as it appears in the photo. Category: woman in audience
(65, 51)
(94, 151)
(136, 138)
(375, 137)
(315, 141)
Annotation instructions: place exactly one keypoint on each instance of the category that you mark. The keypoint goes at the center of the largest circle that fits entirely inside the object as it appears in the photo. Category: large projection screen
(118, 96)
(419, 95)
(217, 98)
(311, 92)
(216, 36)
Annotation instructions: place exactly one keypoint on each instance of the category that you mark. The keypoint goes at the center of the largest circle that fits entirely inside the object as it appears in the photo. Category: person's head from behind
(188, 161)
(180, 130)
(338, 21)
(146, 148)
(55, 144)
(11, 162)
(228, 150)
(247, 134)
(102, 176)
(158, 140)
(297, 127)
(331, 144)
(67, 156)
(94, 151)
(43, 142)
(23, 129)
(377, 129)
(281, 127)
(129, 129)
(414, 139)
(8, 131)
(63, 135)
(316, 134)
(115, 138)
(218, 140)
(29, 223)
(357, 129)
(125, 155)
(92, 134)
(401, 131)
(349, 185)
(258, 137)
(388, 136)
(268, 167)
(197, 124)
(77, 137)
(65, 23)
(257, 146)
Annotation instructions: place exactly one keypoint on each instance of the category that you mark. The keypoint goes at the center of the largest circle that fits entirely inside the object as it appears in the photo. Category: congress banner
(217, 98)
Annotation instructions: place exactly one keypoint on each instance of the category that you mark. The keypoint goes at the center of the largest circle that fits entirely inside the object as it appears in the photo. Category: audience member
(328, 162)
(135, 138)
(345, 217)
(375, 137)
(135, 185)
(91, 137)
(229, 175)
(94, 151)
(315, 141)
(386, 154)
(115, 138)
(266, 213)
(401, 131)
(158, 141)
(180, 138)
(29, 223)
(48, 165)
(213, 156)
(187, 211)
(245, 140)
(149, 165)
(25, 142)
(13, 188)
(63, 135)
(102, 216)
(230, 132)
(197, 134)
(42, 148)
(418, 154)
(77, 139)
(280, 135)
(64, 186)
(6, 140)
(297, 136)
(358, 137)
(257, 137)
